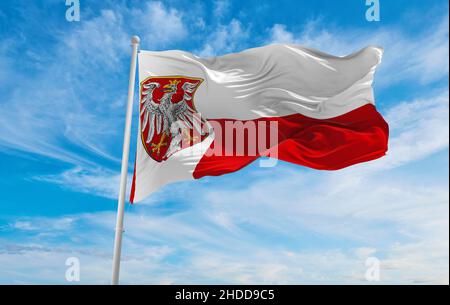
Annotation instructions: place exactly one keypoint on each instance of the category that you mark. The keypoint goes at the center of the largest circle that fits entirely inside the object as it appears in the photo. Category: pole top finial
(135, 40)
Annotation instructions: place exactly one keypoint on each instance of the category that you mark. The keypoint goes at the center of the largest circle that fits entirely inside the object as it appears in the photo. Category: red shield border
(159, 155)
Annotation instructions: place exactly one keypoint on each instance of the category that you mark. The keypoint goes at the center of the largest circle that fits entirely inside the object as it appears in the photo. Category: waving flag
(207, 117)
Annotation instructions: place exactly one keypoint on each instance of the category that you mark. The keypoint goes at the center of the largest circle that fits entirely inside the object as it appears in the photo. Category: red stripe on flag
(330, 144)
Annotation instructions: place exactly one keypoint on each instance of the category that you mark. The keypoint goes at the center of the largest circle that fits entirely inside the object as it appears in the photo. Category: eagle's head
(171, 87)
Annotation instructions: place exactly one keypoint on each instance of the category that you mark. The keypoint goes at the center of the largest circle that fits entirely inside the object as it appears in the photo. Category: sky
(63, 88)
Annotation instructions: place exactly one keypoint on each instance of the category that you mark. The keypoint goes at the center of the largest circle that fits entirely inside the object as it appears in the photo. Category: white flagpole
(124, 170)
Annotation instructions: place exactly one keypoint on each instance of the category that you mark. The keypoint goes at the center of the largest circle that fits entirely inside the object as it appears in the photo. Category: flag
(211, 116)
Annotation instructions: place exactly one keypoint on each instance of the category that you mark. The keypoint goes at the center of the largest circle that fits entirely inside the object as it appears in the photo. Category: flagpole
(124, 170)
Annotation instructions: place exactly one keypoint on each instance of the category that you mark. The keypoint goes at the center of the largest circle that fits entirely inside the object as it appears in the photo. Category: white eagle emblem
(169, 121)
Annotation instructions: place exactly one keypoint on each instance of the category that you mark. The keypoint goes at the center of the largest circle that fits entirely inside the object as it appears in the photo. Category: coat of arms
(169, 120)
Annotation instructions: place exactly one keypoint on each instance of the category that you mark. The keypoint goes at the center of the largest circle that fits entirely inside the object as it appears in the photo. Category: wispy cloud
(53, 113)
(419, 128)
(159, 25)
(98, 181)
(225, 39)
(315, 236)
(69, 105)
(221, 7)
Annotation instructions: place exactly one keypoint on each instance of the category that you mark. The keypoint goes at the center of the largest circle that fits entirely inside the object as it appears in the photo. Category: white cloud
(225, 39)
(365, 252)
(41, 225)
(279, 34)
(100, 182)
(419, 128)
(221, 7)
(159, 24)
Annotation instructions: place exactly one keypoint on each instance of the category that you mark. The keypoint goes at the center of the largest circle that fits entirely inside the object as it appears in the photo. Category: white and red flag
(207, 117)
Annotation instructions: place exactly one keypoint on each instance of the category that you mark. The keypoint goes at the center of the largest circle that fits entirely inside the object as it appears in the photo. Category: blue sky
(62, 106)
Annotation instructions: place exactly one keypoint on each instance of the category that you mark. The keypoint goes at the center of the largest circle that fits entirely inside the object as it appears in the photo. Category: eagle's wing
(153, 116)
(184, 113)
